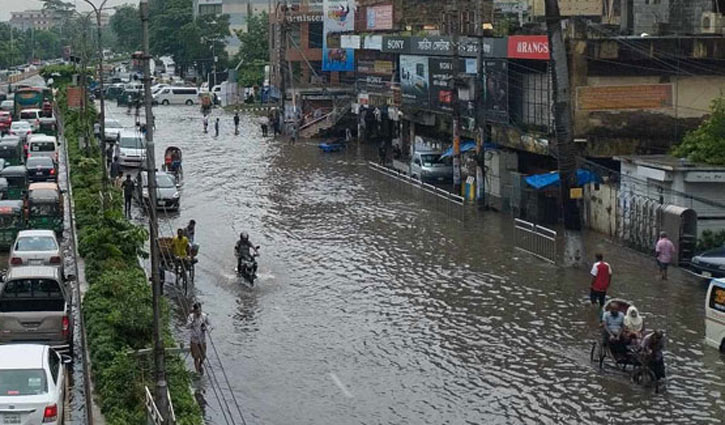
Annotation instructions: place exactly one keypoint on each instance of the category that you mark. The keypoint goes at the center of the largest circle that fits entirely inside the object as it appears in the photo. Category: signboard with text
(495, 90)
(380, 17)
(414, 80)
(528, 47)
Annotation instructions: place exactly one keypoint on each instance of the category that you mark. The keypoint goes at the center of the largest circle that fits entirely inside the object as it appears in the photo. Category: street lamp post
(97, 11)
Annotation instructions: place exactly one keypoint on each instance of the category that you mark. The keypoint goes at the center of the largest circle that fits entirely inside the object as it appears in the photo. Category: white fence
(536, 240)
(426, 187)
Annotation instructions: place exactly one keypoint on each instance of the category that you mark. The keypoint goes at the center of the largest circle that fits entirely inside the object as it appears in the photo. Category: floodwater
(378, 304)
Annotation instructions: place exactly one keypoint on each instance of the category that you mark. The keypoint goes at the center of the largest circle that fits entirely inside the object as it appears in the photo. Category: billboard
(380, 17)
(441, 83)
(612, 98)
(528, 47)
(337, 16)
(495, 90)
(414, 80)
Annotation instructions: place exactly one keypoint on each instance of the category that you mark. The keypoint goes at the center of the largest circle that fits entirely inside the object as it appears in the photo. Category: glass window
(717, 299)
(315, 35)
(35, 243)
(22, 382)
(54, 365)
(112, 124)
(132, 143)
(43, 209)
(165, 181)
(42, 161)
(42, 147)
(25, 115)
(431, 159)
(32, 288)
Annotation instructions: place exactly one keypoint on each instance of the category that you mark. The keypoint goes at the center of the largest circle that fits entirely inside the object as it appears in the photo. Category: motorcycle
(247, 266)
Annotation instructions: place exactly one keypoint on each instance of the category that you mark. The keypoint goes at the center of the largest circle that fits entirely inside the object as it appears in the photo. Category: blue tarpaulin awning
(541, 181)
(466, 146)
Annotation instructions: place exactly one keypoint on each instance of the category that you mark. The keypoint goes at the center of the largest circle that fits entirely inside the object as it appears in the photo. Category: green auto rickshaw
(12, 221)
(11, 150)
(45, 207)
(17, 177)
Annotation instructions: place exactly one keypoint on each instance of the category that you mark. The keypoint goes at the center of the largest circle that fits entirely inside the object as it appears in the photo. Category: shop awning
(542, 181)
(465, 147)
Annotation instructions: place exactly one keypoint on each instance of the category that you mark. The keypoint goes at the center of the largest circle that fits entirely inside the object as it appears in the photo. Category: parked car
(715, 315)
(710, 263)
(36, 248)
(41, 169)
(32, 384)
(21, 129)
(176, 96)
(36, 306)
(32, 116)
(428, 166)
(167, 192)
(111, 129)
(6, 119)
(7, 105)
(42, 145)
(131, 148)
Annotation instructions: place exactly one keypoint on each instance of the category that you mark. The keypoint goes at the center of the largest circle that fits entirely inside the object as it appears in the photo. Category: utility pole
(161, 389)
(573, 245)
(456, 113)
(102, 118)
(481, 111)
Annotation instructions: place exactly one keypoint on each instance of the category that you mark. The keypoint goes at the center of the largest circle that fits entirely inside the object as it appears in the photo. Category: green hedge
(117, 307)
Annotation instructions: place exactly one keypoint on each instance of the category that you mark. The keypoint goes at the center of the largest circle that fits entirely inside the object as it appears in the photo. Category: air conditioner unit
(712, 23)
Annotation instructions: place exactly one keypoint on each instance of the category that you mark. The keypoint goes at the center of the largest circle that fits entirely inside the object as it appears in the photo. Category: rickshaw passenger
(613, 326)
(633, 326)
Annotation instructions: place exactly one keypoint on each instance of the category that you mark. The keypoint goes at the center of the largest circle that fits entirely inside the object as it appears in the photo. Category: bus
(28, 98)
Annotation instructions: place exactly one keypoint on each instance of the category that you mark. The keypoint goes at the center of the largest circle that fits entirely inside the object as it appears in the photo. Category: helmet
(244, 236)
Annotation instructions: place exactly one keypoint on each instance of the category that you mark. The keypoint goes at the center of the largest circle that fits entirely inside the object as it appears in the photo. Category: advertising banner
(443, 46)
(495, 86)
(380, 17)
(441, 84)
(338, 17)
(528, 47)
(414, 80)
(373, 42)
(350, 41)
(73, 95)
(396, 44)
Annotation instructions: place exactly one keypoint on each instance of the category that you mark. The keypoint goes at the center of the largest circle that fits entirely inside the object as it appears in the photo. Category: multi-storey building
(41, 19)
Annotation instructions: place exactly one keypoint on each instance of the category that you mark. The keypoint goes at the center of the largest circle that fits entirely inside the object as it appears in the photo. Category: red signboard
(528, 47)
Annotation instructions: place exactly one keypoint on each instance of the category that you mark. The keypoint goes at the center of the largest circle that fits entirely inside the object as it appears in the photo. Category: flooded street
(377, 304)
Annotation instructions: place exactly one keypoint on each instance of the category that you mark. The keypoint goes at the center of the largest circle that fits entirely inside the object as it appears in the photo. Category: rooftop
(668, 162)
(22, 356)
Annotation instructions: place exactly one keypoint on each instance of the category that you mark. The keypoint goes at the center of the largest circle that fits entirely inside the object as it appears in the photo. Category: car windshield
(112, 124)
(20, 382)
(165, 181)
(132, 143)
(42, 147)
(19, 125)
(28, 115)
(39, 161)
(431, 159)
(717, 252)
(35, 243)
(43, 209)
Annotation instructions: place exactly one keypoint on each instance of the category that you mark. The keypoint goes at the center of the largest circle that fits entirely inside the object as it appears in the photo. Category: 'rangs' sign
(528, 47)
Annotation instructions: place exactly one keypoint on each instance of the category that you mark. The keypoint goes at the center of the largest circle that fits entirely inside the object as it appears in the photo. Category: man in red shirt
(601, 278)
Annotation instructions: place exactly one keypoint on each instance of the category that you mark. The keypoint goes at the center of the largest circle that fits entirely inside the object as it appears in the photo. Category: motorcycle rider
(242, 250)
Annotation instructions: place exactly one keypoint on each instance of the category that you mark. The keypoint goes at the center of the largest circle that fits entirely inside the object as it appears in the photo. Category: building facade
(41, 19)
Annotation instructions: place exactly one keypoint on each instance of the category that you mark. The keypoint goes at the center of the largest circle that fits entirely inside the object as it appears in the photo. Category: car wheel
(189, 102)
(165, 102)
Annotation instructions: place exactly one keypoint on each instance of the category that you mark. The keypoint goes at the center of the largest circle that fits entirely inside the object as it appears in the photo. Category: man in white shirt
(199, 325)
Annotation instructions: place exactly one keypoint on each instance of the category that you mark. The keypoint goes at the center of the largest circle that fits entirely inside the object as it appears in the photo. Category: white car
(32, 384)
(111, 129)
(36, 248)
(32, 116)
(131, 149)
(21, 129)
(7, 105)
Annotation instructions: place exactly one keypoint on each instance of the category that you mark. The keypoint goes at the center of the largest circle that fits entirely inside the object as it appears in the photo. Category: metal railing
(538, 241)
(426, 187)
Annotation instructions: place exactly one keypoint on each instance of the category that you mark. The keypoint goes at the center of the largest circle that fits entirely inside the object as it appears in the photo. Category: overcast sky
(7, 6)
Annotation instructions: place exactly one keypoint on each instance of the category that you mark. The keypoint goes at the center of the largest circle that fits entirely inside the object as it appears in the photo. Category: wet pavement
(378, 304)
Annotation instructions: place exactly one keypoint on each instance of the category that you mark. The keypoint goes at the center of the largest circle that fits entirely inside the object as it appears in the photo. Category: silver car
(36, 248)
(21, 129)
(111, 129)
(167, 191)
(32, 384)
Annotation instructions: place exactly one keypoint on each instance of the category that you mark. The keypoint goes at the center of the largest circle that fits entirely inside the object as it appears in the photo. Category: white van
(177, 96)
(131, 148)
(715, 315)
(32, 116)
(43, 145)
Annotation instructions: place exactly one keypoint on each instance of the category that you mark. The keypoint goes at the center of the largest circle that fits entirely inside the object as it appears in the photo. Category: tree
(253, 52)
(126, 25)
(706, 143)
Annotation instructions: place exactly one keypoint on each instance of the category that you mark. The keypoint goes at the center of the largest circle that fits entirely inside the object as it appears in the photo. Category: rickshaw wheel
(594, 348)
(644, 376)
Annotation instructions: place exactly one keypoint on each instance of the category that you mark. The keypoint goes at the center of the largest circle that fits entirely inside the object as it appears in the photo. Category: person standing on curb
(128, 188)
(601, 279)
(199, 325)
(665, 252)
(216, 128)
(236, 123)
